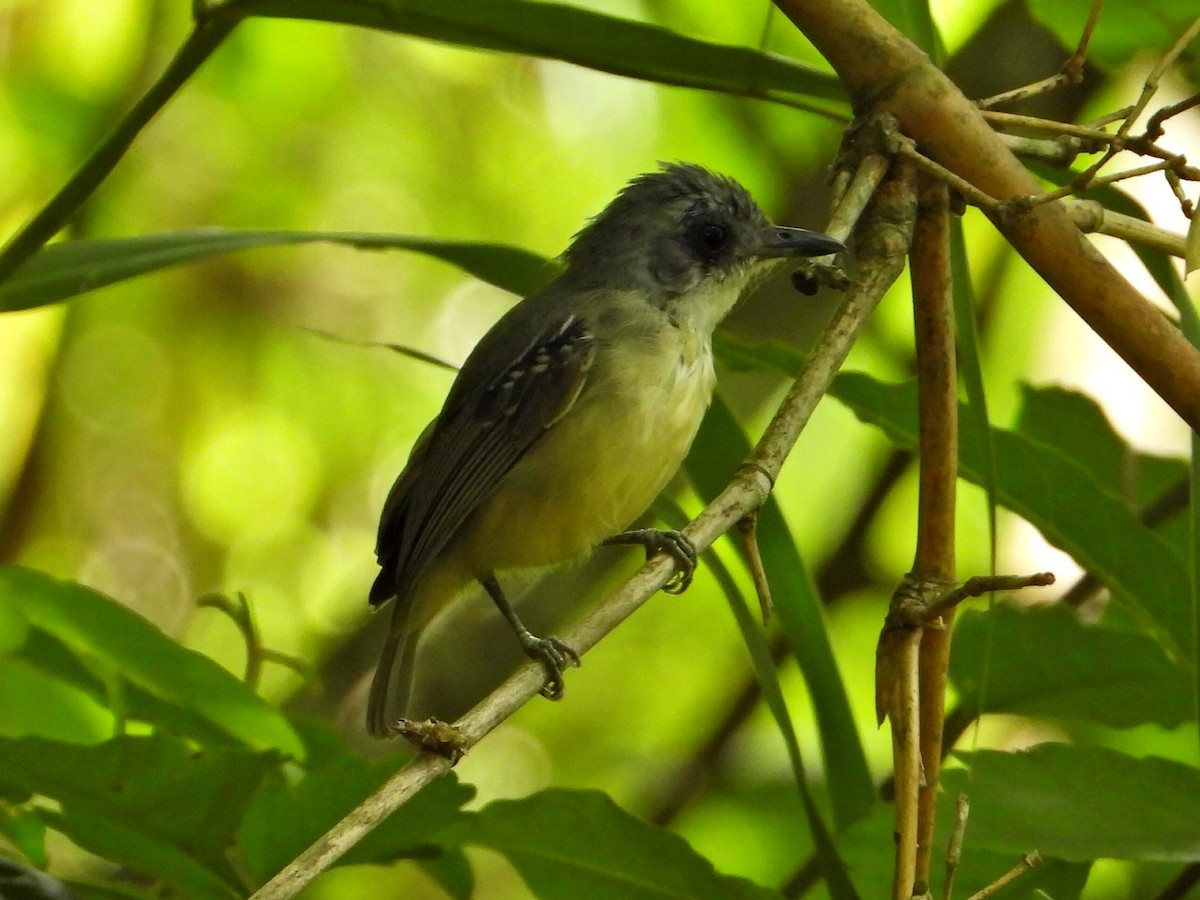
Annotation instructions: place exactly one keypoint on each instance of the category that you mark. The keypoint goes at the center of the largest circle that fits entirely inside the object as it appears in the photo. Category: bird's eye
(709, 240)
(713, 236)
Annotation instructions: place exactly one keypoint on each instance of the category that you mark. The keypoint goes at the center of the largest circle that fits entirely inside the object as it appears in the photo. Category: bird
(573, 412)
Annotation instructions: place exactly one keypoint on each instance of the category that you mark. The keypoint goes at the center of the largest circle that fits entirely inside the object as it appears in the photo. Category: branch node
(433, 736)
(920, 603)
(748, 529)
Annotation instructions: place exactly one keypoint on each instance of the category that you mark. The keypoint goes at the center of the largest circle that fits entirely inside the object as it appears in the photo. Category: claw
(673, 543)
(552, 652)
(555, 655)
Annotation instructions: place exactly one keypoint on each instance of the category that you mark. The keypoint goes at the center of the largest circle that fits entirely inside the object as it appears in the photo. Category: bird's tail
(392, 685)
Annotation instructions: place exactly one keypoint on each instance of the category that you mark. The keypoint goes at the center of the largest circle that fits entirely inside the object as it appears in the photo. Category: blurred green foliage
(233, 425)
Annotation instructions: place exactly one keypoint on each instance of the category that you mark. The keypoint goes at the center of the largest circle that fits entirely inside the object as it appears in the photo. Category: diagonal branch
(884, 71)
(883, 239)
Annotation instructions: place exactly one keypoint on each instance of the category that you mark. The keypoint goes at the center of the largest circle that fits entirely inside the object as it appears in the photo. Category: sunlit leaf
(103, 633)
(580, 36)
(1080, 803)
(572, 844)
(60, 271)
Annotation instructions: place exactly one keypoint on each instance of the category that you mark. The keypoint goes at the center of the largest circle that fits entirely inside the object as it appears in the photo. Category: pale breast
(602, 465)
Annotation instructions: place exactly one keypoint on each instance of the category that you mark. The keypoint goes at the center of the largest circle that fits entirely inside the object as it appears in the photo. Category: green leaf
(977, 420)
(772, 694)
(26, 831)
(1045, 662)
(1076, 427)
(158, 789)
(1059, 497)
(452, 871)
(288, 814)
(122, 645)
(108, 890)
(586, 38)
(719, 449)
(1080, 803)
(572, 844)
(765, 356)
(148, 856)
(63, 270)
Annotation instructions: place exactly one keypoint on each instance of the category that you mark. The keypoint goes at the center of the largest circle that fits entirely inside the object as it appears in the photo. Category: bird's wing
(480, 435)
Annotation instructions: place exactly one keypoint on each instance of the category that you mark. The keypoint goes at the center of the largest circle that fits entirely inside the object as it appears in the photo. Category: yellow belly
(599, 467)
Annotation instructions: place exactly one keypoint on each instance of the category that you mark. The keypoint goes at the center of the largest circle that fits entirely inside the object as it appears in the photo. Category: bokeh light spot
(115, 378)
(250, 475)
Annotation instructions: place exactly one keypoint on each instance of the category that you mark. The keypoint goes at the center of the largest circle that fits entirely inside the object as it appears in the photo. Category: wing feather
(461, 460)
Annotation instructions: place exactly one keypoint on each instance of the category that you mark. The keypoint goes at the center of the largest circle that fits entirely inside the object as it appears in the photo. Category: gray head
(675, 230)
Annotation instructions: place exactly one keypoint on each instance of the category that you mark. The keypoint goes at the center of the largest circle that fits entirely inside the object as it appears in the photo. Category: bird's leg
(673, 543)
(553, 653)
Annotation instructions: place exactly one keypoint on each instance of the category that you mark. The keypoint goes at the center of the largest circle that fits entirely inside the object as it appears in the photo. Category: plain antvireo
(573, 411)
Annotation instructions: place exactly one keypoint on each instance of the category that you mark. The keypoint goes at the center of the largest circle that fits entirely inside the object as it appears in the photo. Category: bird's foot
(673, 543)
(556, 655)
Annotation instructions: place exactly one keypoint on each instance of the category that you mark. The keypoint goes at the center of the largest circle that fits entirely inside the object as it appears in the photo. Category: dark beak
(780, 240)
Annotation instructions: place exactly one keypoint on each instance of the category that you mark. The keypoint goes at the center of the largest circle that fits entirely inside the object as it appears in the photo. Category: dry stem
(933, 312)
(885, 72)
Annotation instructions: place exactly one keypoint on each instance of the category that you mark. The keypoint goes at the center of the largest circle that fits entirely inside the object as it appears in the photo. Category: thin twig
(1097, 137)
(903, 711)
(1059, 152)
(1028, 862)
(1154, 125)
(866, 171)
(1081, 184)
(1093, 217)
(918, 603)
(1150, 87)
(962, 809)
(961, 186)
(979, 585)
(241, 613)
(1071, 72)
(748, 530)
